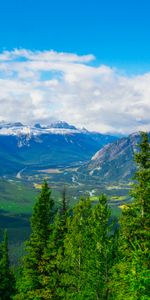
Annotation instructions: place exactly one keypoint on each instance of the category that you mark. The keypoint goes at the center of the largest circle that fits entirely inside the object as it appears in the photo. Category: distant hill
(40, 146)
(114, 162)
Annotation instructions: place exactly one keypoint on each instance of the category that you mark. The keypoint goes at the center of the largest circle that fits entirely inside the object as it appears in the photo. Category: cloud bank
(45, 86)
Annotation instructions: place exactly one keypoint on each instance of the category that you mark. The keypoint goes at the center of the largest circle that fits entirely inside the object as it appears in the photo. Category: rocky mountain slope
(114, 162)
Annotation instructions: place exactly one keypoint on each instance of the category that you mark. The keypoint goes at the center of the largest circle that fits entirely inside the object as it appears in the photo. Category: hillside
(114, 162)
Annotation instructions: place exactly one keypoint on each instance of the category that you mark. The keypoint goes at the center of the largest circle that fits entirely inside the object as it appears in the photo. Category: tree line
(84, 252)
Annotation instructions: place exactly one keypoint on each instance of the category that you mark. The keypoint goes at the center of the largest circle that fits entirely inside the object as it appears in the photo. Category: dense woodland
(84, 252)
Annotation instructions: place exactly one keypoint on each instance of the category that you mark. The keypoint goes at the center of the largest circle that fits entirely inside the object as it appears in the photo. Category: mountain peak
(62, 124)
(10, 124)
(57, 125)
(18, 129)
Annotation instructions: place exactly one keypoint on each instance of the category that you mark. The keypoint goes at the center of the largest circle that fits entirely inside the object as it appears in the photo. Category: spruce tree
(29, 285)
(7, 280)
(132, 273)
(52, 263)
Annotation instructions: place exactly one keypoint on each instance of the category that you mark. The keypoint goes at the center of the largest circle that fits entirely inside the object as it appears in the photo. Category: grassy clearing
(37, 186)
(119, 187)
(118, 198)
(123, 206)
(51, 171)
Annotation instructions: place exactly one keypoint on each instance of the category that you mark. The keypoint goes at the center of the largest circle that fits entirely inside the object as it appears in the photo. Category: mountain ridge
(47, 145)
(115, 161)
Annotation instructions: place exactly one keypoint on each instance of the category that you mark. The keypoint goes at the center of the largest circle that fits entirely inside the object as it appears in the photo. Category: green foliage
(102, 250)
(132, 273)
(7, 280)
(16, 197)
(76, 243)
(89, 251)
(30, 282)
(51, 265)
(82, 254)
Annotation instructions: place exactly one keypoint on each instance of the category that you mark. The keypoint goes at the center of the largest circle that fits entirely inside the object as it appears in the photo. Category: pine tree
(29, 286)
(7, 280)
(132, 273)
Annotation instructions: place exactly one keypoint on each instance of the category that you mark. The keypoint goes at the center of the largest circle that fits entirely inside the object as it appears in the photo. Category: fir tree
(29, 285)
(7, 280)
(52, 263)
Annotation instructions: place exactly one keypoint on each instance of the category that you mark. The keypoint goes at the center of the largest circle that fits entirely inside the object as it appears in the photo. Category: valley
(18, 196)
(85, 163)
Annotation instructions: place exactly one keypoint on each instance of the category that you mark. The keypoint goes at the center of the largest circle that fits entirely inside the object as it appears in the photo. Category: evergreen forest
(84, 253)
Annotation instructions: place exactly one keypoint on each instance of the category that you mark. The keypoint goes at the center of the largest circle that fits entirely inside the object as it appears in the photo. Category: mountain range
(46, 146)
(96, 157)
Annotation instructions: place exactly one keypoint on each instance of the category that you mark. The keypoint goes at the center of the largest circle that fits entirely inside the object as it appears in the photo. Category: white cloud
(41, 86)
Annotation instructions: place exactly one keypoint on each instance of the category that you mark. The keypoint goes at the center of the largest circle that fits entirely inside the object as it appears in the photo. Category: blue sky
(85, 62)
(117, 32)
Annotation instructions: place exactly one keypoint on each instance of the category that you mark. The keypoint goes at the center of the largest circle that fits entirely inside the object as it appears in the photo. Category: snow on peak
(57, 124)
(18, 129)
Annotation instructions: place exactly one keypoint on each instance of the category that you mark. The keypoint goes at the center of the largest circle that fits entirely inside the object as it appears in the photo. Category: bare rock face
(115, 161)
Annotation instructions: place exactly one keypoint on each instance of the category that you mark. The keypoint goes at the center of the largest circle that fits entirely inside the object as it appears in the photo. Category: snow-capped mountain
(37, 129)
(38, 146)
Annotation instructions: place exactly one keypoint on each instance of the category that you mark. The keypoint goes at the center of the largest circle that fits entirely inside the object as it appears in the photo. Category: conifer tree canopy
(7, 280)
(30, 281)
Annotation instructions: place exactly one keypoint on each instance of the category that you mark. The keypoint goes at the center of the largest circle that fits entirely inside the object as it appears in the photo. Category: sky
(85, 62)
